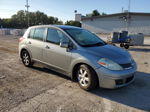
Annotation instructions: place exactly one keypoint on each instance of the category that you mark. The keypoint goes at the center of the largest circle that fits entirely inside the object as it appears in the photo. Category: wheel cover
(83, 77)
(26, 59)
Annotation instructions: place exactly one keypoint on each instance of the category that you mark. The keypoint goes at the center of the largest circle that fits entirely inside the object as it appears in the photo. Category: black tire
(90, 80)
(126, 46)
(26, 60)
(122, 45)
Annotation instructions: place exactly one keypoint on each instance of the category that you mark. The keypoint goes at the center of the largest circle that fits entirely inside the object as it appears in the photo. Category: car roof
(57, 26)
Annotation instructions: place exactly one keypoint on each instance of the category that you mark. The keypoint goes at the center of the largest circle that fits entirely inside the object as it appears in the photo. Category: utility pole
(27, 6)
(122, 10)
(128, 15)
(129, 5)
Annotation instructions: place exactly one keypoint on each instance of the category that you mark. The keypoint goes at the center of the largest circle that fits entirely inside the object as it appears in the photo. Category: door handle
(47, 47)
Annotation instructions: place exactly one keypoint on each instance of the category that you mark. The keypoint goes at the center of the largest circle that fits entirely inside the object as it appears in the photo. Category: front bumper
(115, 79)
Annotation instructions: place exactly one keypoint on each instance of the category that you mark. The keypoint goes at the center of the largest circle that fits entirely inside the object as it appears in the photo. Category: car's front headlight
(109, 64)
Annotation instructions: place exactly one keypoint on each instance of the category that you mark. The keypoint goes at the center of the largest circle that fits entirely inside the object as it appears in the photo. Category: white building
(133, 22)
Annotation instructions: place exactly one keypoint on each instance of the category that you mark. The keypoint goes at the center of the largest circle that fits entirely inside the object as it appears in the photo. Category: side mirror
(64, 44)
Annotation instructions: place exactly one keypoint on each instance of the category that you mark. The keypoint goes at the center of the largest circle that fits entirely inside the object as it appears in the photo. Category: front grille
(129, 79)
(124, 81)
(119, 82)
(128, 65)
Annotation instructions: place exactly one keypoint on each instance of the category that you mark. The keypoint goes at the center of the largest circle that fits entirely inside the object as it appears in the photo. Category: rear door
(35, 43)
(55, 55)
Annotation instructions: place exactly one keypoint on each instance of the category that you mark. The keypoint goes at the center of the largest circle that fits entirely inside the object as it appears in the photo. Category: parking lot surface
(38, 89)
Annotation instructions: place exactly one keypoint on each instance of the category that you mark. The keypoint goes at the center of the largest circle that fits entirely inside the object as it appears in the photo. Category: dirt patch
(2, 49)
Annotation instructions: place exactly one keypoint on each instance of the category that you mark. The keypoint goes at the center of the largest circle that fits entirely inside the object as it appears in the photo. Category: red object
(102, 63)
(21, 39)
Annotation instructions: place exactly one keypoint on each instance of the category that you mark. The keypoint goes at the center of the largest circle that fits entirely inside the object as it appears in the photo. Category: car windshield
(85, 38)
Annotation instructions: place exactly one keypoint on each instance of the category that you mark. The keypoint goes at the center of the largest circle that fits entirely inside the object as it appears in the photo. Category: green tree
(51, 20)
(40, 18)
(103, 14)
(1, 21)
(59, 22)
(6, 23)
(95, 13)
(54, 20)
(19, 20)
(32, 19)
(73, 23)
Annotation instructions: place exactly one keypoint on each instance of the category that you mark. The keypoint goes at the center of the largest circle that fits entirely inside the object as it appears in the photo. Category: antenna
(27, 6)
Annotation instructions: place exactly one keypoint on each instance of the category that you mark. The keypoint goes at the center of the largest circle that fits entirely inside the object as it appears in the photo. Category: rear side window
(55, 36)
(31, 34)
(39, 33)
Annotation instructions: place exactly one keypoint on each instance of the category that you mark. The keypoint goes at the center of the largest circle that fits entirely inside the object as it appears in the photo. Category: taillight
(21, 39)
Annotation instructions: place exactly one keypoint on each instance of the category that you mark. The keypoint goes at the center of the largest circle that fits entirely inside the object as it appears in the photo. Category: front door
(55, 55)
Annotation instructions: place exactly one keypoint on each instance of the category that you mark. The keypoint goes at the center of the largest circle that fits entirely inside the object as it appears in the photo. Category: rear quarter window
(39, 33)
(31, 34)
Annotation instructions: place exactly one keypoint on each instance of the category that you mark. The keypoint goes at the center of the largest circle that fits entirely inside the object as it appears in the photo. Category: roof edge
(116, 14)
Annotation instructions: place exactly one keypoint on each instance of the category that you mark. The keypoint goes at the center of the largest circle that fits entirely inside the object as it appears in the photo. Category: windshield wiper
(96, 44)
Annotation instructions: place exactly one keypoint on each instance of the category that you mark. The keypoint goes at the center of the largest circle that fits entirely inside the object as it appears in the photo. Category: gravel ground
(39, 89)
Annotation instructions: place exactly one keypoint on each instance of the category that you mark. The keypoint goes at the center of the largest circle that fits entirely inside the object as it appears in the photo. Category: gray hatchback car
(78, 54)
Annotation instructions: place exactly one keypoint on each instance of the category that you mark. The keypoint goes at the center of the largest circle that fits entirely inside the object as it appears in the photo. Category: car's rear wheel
(26, 58)
(86, 76)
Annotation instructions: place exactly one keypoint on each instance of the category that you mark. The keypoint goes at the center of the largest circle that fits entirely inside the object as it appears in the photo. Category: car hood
(113, 53)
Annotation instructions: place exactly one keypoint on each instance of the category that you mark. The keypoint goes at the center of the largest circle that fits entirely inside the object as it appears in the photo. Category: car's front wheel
(86, 76)
(26, 58)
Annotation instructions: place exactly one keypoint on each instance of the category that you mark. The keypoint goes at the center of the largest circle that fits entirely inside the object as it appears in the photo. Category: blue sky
(64, 9)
